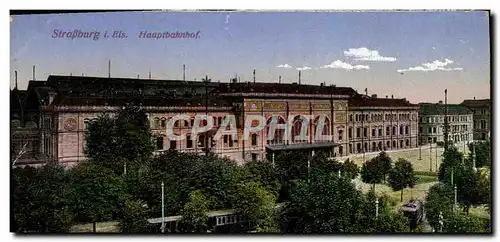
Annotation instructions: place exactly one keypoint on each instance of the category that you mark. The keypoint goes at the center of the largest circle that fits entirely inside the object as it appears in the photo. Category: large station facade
(60, 108)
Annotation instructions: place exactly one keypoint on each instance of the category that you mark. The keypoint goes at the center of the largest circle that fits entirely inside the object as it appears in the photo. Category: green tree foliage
(255, 203)
(373, 172)
(97, 194)
(349, 169)
(290, 166)
(194, 213)
(40, 200)
(439, 199)
(483, 153)
(452, 158)
(321, 205)
(401, 176)
(263, 172)
(124, 139)
(134, 217)
(461, 223)
(321, 162)
(385, 163)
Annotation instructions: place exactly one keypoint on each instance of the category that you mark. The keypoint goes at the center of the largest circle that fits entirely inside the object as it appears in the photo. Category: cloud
(305, 68)
(284, 66)
(338, 64)
(433, 66)
(366, 54)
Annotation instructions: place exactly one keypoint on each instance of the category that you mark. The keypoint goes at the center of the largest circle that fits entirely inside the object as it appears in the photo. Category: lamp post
(474, 157)
(419, 146)
(376, 208)
(455, 203)
(430, 156)
(162, 207)
(441, 222)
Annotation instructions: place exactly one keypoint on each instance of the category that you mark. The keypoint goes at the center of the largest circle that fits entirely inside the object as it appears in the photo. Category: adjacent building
(481, 109)
(432, 119)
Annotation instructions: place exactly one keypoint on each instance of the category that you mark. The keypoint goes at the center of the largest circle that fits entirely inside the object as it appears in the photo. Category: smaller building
(481, 109)
(432, 119)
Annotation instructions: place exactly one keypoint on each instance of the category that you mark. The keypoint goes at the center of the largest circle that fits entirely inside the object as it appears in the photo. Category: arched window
(156, 124)
(325, 130)
(296, 130)
(279, 134)
(164, 123)
(407, 142)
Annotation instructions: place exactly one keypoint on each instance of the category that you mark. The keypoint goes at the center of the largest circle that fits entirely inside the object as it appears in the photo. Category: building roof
(476, 102)
(284, 88)
(439, 109)
(363, 101)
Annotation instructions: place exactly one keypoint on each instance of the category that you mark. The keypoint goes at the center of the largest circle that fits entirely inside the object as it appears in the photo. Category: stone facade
(481, 109)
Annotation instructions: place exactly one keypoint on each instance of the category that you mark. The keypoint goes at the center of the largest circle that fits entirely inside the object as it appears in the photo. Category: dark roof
(476, 102)
(439, 109)
(290, 88)
(363, 101)
(171, 102)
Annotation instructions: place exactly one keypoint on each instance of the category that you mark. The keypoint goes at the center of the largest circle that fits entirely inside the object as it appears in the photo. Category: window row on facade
(378, 132)
(381, 117)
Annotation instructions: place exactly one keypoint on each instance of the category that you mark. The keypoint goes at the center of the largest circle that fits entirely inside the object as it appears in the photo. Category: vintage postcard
(231, 122)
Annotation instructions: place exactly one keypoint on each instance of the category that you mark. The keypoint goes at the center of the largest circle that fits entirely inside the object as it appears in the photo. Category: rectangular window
(433, 130)
(373, 132)
(254, 139)
(387, 131)
(380, 132)
(350, 133)
(173, 144)
(365, 132)
(189, 142)
(394, 130)
(429, 130)
(358, 132)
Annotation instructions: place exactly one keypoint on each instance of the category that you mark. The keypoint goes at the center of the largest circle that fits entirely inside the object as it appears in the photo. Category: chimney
(109, 68)
(374, 95)
(183, 72)
(253, 76)
(386, 97)
(474, 98)
(299, 77)
(15, 73)
(149, 74)
(279, 80)
(392, 96)
(34, 73)
(440, 102)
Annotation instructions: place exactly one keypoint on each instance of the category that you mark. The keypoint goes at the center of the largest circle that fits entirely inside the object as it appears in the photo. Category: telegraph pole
(162, 207)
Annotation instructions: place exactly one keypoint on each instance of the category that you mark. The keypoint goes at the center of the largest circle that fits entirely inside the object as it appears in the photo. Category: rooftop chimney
(254, 76)
(374, 95)
(299, 77)
(440, 102)
(34, 73)
(392, 96)
(279, 80)
(15, 72)
(474, 98)
(386, 96)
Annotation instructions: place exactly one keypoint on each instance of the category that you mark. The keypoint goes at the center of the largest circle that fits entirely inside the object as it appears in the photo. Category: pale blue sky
(237, 42)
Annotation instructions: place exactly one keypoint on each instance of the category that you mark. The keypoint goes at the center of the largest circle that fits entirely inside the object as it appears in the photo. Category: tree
(321, 162)
(97, 193)
(263, 172)
(134, 217)
(401, 176)
(461, 223)
(125, 139)
(40, 199)
(349, 169)
(439, 200)
(452, 158)
(320, 205)
(385, 163)
(372, 173)
(194, 214)
(483, 153)
(255, 203)
(290, 166)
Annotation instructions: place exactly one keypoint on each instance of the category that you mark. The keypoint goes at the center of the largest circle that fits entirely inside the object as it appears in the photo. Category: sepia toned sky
(415, 55)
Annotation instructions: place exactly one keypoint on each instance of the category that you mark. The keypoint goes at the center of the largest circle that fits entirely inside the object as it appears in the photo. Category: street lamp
(376, 208)
(162, 207)
(455, 203)
(474, 157)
